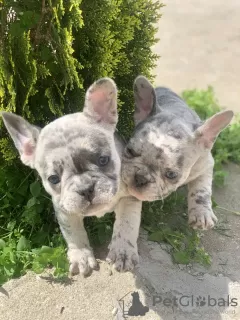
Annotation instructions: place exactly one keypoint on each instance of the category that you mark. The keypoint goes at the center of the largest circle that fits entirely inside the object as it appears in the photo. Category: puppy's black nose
(140, 180)
(88, 193)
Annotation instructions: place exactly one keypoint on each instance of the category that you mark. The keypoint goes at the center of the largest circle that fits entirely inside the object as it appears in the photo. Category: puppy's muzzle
(140, 180)
(88, 192)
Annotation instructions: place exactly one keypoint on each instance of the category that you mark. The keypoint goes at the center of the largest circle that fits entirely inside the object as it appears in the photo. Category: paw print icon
(200, 301)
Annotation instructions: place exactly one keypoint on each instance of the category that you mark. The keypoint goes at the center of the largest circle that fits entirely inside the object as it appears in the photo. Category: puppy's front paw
(123, 255)
(202, 219)
(81, 261)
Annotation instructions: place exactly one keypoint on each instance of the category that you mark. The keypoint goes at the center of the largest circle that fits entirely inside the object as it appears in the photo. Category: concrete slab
(200, 46)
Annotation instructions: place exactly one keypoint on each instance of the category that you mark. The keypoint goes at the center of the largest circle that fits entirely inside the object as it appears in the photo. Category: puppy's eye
(129, 152)
(171, 174)
(103, 161)
(54, 179)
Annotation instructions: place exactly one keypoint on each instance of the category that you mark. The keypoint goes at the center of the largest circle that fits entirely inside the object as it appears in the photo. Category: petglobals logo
(129, 307)
(198, 301)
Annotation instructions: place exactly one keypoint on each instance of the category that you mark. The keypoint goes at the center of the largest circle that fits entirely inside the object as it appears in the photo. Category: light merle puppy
(169, 148)
(78, 158)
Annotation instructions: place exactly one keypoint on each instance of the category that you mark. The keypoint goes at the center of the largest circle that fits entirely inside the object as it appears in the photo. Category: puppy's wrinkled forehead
(165, 124)
(71, 138)
(161, 141)
(79, 138)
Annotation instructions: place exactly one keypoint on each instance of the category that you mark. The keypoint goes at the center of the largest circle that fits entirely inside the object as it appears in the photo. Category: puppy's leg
(123, 252)
(200, 213)
(80, 254)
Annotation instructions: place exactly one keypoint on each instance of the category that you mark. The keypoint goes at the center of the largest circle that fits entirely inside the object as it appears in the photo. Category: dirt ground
(200, 46)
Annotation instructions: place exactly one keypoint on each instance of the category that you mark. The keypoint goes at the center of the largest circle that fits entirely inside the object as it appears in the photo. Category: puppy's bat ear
(24, 136)
(145, 99)
(101, 102)
(208, 132)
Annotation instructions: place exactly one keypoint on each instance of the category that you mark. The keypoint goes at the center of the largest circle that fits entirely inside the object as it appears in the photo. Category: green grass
(166, 222)
(30, 237)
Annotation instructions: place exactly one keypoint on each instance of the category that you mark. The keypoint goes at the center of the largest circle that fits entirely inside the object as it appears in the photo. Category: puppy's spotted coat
(78, 158)
(171, 147)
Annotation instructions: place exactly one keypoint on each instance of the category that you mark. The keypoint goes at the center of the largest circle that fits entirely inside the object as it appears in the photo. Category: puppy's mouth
(93, 209)
(96, 205)
(144, 196)
(139, 195)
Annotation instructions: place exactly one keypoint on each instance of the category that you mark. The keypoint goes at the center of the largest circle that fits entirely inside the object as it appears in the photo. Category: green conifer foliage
(52, 50)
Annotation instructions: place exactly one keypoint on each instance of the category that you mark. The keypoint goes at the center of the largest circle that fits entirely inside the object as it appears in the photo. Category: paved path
(200, 46)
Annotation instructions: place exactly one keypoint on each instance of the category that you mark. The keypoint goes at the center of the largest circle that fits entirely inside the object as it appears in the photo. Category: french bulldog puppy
(169, 148)
(78, 158)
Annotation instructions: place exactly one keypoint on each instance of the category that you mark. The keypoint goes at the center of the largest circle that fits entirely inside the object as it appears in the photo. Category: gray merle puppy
(169, 148)
(78, 158)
